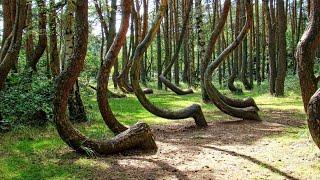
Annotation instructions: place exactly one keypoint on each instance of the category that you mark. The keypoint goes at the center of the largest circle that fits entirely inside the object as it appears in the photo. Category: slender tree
(282, 49)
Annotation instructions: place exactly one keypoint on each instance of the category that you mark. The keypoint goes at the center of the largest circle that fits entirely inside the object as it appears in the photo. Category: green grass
(30, 153)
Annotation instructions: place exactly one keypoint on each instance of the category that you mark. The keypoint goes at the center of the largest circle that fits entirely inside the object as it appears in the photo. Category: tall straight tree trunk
(29, 45)
(263, 42)
(53, 51)
(159, 55)
(201, 47)
(112, 34)
(186, 53)
(271, 44)
(258, 49)
(282, 47)
(293, 33)
(176, 39)
(235, 65)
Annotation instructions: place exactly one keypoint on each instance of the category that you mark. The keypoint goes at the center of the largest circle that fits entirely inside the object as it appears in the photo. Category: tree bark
(271, 44)
(138, 136)
(306, 53)
(42, 38)
(314, 117)
(53, 51)
(282, 47)
(201, 48)
(258, 48)
(236, 58)
(175, 57)
(105, 70)
(11, 55)
(246, 112)
(159, 56)
(192, 111)
(29, 45)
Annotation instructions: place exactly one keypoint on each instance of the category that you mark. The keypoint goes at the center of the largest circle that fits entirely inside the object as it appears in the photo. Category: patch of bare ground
(230, 149)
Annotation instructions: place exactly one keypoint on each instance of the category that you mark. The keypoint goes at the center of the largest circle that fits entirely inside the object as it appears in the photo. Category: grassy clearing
(29, 153)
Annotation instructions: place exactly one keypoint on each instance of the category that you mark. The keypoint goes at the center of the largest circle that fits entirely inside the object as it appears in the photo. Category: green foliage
(23, 98)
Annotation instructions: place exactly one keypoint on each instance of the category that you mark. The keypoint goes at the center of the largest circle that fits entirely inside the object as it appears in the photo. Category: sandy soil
(227, 149)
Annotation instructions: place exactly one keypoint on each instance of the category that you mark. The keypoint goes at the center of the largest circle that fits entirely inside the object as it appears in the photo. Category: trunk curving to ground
(193, 111)
(138, 136)
(314, 117)
(305, 54)
(105, 70)
(175, 57)
(241, 112)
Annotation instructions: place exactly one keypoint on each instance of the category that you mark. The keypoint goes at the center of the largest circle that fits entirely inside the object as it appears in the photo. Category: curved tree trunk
(42, 41)
(75, 104)
(14, 41)
(314, 117)
(138, 136)
(104, 73)
(192, 111)
(175, 57)
(123, 78)
(246, 112)
(306, 53)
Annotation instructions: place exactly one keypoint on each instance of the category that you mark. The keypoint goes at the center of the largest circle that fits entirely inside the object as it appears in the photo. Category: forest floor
(279, 147)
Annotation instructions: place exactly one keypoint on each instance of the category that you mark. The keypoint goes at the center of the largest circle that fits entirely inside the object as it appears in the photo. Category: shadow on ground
(188, 152)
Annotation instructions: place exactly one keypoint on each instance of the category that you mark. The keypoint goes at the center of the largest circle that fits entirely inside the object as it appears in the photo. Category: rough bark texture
(192, 111)
(10, 56)
(246, 112)
(105, 70)
(138, 136)
(314, 117)
(75, 104)
(306, 53)
(282, 47)
(201, 47)
(42, 38)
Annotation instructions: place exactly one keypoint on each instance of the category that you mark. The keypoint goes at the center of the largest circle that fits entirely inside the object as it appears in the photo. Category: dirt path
(225, 150)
